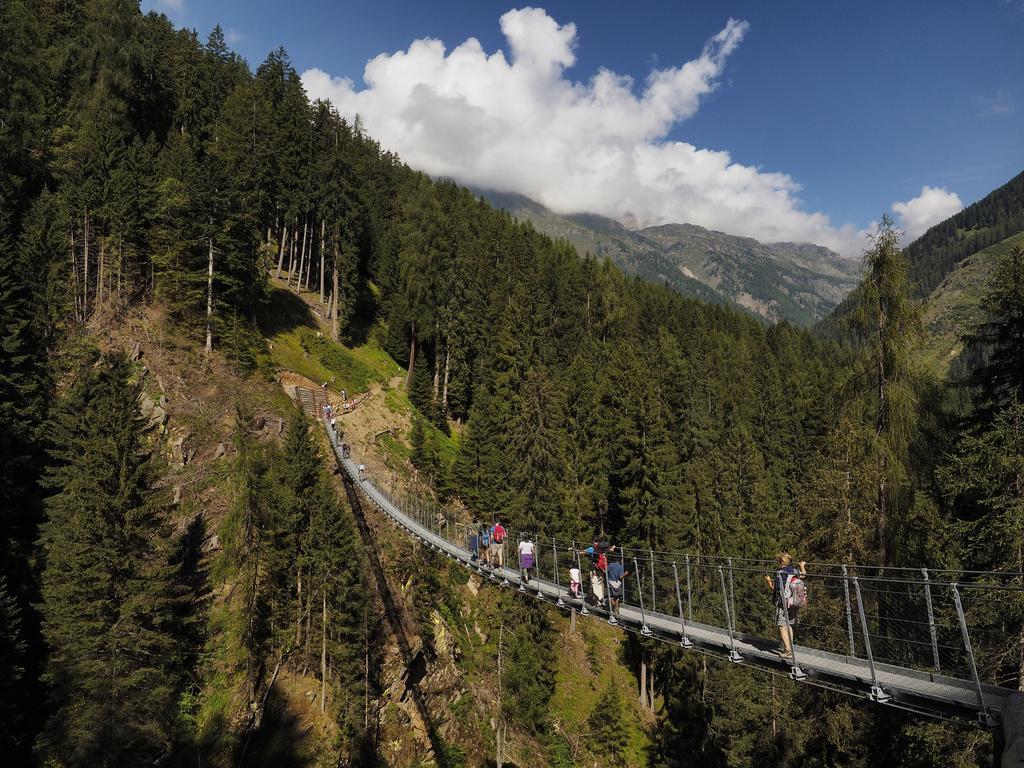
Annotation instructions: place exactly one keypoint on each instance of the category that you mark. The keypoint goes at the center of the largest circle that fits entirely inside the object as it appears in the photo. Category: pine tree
(607, 729)
(112, 609)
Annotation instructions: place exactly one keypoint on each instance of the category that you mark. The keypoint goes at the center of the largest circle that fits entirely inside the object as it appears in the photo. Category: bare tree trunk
(85, 290)
(74, 273)
(323, 657)
(209, 302)
(298, 603)
(323, 225)
(366, 672)
(572, 621)
(100, 278)
(302, 256)
(447, 368)
(643, 679)
(280, 250)
(412, 358)
(334, 302)
(650, 687)
(291, 262)
(437, 371)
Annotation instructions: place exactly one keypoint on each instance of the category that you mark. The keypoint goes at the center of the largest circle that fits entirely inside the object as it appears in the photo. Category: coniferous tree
(112, 609)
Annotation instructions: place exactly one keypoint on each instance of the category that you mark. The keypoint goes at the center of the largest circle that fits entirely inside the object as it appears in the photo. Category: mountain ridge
(796, 282)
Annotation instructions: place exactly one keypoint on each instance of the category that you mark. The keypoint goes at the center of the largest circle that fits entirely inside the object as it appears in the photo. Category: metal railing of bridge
(937, 626)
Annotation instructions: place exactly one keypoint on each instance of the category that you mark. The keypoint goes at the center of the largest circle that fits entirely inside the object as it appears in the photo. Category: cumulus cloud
(233, 36)
(174, 5)
(933, 205)
(518, 123)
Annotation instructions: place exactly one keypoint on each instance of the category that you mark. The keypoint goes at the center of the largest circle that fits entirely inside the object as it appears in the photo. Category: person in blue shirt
(785, 616)
(474, 542)
(617, 574)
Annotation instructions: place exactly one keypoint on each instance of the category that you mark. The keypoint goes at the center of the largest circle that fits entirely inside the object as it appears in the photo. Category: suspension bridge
(922, 640)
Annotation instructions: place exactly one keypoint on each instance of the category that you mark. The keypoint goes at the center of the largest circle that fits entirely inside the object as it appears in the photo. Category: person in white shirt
(525, 559)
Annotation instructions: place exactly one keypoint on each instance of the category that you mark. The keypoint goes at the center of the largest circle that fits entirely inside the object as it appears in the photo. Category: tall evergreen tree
(113, 610)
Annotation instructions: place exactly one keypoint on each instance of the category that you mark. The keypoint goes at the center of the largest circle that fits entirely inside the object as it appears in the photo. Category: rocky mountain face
(797, 282)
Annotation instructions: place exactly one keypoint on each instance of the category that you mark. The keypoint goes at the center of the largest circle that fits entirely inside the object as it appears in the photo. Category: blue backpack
(485, 538)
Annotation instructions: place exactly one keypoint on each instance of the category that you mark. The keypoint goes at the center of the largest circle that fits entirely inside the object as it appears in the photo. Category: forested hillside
(164, 581)
(796, 282)
(992, 219)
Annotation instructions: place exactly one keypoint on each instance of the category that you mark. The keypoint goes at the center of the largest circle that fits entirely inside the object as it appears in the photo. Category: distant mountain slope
(953, 308)
(798, 282)
(942, 248)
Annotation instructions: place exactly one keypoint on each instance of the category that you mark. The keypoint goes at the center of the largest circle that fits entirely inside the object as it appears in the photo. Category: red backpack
(602, 562)
(499, 533)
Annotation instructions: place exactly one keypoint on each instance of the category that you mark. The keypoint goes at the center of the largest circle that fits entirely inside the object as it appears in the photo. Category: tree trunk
(74, 273)
(85, 289)
(323, 657)
(323, 225)
(100, 278)
(437, 371)
(447, 368)
(572, 621)
(650, 687)
(209, 302)
(643, 679)
(412, 358)
(334, 311)
(291, 262)
(298, 608)
(280, 251)
(302, 256)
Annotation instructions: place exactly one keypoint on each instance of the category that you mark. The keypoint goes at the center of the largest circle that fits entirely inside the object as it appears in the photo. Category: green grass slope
(954, 308)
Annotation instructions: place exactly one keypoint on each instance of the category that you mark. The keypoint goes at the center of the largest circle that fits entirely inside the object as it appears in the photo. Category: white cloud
(998, 104)
(233, 36)
(174, 5)
(933, 205)
(518, 123)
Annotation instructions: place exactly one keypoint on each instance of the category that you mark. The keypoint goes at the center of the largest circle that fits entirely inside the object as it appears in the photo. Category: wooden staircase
(312, 401)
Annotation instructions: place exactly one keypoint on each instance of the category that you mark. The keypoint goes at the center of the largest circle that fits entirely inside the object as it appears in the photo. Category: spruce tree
(113, 610)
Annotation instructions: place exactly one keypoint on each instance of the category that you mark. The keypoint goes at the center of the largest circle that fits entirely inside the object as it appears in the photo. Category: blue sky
(834, 109)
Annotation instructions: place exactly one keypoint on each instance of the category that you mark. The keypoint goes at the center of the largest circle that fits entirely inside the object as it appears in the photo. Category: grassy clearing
(298, 344)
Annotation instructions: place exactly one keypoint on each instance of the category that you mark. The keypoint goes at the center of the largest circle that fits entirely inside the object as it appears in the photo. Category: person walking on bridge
(485, 545)
(617, 574)
(788, 596)
(497, 545)
(526, 553)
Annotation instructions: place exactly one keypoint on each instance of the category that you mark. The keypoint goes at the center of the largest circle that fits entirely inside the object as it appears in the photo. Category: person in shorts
(785, 617)
(497, 545)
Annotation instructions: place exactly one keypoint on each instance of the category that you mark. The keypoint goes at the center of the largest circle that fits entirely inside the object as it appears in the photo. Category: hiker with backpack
(617, 574)
(497, 545)
(485, 545)
(789, 595)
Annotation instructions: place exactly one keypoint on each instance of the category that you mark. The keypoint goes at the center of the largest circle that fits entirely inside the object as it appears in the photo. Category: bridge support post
(931, 619)
(734, 655)
(849, 614)
(732, 593)
(689, 592)
(558, 584)
(654, 595)
(583, 589)
(644, 629)
(985, 716)
(877, 694)
(608, 601)
(684, 641)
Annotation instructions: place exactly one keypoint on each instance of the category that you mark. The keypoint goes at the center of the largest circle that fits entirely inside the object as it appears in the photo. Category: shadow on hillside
(281, 741)
(364, 315)
(284, 311)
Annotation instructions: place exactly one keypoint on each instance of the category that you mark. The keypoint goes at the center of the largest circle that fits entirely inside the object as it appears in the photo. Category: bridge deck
(927, 693)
